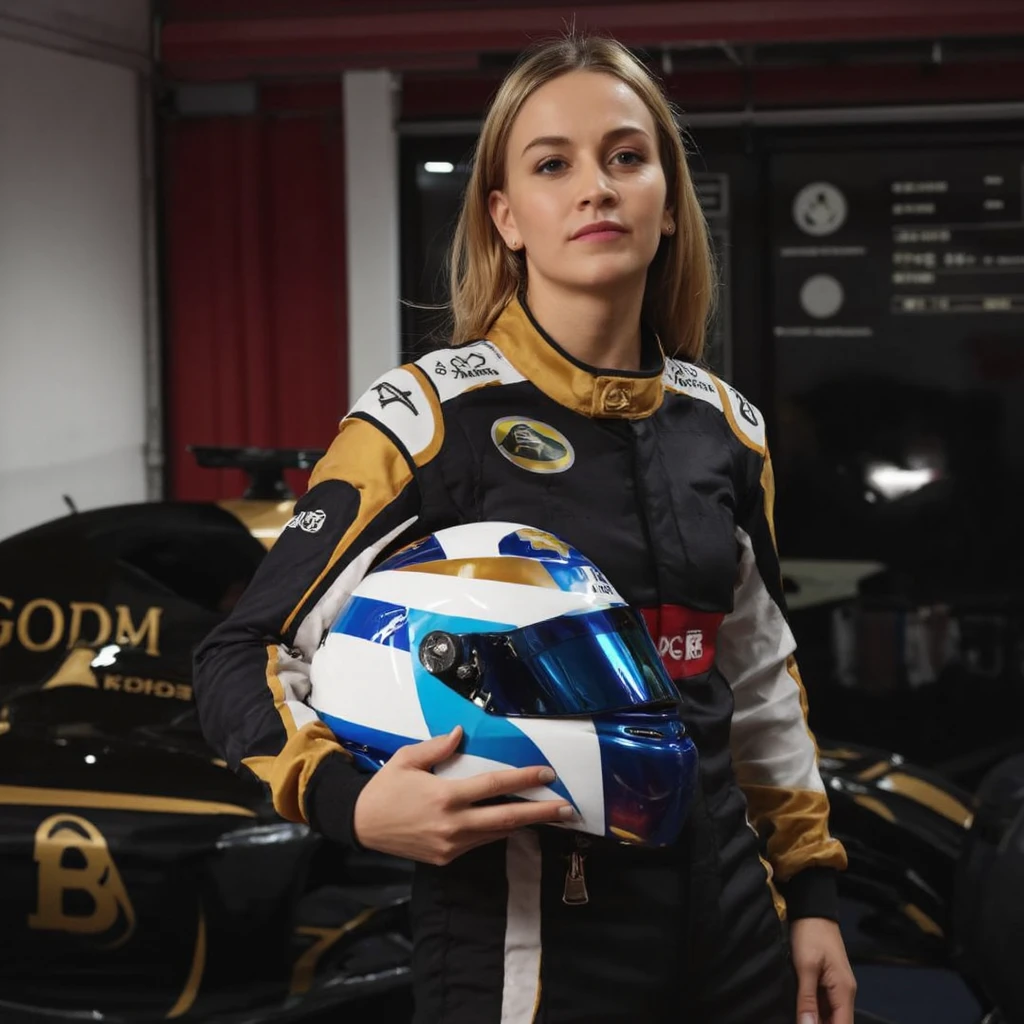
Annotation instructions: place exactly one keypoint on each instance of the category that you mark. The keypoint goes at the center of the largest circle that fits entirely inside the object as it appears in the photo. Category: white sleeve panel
(770, 741)
(399, 402)
(292, 666)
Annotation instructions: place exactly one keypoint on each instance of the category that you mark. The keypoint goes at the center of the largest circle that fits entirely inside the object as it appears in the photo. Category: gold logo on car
(80, 888)
(43, 624)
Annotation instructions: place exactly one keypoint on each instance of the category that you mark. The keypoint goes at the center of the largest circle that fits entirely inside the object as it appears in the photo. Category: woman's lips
(600, 232)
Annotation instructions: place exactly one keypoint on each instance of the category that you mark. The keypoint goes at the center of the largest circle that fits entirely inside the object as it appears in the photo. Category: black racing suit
(663, 479)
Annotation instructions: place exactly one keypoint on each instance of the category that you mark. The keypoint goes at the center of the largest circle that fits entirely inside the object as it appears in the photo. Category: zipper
(575, 892)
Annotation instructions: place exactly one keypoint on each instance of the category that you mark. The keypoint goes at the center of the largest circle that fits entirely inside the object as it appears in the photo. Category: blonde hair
(484, 274)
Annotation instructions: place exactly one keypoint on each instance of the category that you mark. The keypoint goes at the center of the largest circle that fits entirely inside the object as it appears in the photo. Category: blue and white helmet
(512, 634)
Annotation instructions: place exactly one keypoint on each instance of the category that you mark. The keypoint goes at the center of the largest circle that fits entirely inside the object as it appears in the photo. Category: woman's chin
(605, 275)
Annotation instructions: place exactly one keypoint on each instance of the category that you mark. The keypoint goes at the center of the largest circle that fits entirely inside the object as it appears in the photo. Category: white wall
(371, 227)
(73, 285)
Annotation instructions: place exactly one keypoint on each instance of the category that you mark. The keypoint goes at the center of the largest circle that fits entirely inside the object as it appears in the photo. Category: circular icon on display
(819, 208)
(821, 296)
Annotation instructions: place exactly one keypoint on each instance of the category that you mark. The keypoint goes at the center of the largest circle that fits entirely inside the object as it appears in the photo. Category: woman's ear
(668, 223)
(501, 214)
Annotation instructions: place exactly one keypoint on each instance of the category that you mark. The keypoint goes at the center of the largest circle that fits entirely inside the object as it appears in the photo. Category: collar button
(617, 398)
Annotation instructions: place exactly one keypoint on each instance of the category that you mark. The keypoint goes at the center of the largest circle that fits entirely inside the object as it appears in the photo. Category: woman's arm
(774, 752)
(252, 672)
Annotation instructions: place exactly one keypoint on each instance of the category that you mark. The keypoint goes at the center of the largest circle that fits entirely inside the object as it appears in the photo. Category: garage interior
(220, 220)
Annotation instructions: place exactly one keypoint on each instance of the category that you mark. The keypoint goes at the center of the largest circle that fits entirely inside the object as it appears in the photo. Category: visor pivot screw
(438, 652)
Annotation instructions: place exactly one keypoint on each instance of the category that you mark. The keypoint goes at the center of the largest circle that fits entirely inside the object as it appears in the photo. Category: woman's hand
(407, 811)
(826, 983)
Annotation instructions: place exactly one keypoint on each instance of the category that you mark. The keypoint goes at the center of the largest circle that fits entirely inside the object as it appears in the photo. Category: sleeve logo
(465, 367)
(388, 393)
(746, 409)
(689, 647)
(684, 376)
(310, 522)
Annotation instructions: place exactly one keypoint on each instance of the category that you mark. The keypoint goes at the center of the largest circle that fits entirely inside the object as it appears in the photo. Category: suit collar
(588, 390)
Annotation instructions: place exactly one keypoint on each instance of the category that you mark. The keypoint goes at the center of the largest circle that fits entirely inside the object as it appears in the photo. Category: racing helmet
(511, 633)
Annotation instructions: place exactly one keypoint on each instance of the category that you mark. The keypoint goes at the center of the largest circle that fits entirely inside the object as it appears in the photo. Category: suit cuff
(331, 799)
(811, 893)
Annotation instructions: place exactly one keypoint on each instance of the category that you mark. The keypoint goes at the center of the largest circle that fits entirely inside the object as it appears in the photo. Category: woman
(579, 224)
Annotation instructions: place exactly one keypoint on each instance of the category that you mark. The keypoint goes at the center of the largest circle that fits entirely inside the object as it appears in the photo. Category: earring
(670, 228)
(514, 245)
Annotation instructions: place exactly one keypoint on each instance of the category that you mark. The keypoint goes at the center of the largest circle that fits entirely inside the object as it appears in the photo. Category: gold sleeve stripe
(777, 901)
(798, 824)
(499, 569)
(289, 772)
(371, 462)
(274, 683)
(794, 673)
(434, 447)
(768, 487)
(727, 409)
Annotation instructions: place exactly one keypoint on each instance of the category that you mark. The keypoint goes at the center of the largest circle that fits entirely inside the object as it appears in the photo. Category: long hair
(484, 275)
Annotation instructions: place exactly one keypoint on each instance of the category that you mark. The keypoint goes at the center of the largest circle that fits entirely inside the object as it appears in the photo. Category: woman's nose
(597, 190)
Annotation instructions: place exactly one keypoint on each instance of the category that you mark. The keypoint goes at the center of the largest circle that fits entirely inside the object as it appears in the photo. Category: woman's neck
(601, 331)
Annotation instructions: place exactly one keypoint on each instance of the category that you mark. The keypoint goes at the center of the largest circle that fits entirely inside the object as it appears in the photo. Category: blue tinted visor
(576, 665)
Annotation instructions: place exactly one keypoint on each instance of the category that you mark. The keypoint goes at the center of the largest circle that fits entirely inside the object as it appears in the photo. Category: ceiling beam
(450, 35)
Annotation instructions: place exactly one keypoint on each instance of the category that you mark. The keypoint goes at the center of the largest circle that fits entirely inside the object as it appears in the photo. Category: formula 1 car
(140, 878)
(143, 880)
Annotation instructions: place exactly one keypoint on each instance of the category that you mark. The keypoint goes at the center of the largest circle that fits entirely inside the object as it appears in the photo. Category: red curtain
(255, 286)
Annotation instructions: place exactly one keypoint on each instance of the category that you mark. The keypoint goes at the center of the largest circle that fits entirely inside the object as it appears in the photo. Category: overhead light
(438, 167)
(894, 482)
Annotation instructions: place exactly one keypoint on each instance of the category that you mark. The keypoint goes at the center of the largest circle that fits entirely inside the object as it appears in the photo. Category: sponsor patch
(746, 419)
(453, 371)
(685, 638)
(398, 401)
(310, 522)
(687, 379)
(471, 366)
(532, 445)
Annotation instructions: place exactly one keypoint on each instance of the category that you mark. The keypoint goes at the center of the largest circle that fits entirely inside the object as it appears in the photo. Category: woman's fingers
(491, 785)
(507, 817)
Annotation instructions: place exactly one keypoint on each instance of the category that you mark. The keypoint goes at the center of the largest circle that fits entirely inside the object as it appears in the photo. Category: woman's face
(583, 152)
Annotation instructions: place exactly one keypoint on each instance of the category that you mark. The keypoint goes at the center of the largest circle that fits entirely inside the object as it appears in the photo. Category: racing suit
(662, 477)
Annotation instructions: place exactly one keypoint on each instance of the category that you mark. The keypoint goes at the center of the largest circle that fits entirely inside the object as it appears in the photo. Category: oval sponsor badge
(532, 445)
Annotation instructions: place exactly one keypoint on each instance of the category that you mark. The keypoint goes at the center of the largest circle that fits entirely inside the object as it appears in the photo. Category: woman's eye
(551, 165)
(627, 158)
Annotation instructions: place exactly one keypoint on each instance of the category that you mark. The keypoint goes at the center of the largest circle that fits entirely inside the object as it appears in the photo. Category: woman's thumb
(433, 751)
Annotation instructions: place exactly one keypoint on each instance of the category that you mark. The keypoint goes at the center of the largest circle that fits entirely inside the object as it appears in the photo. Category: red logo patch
(685, 638)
